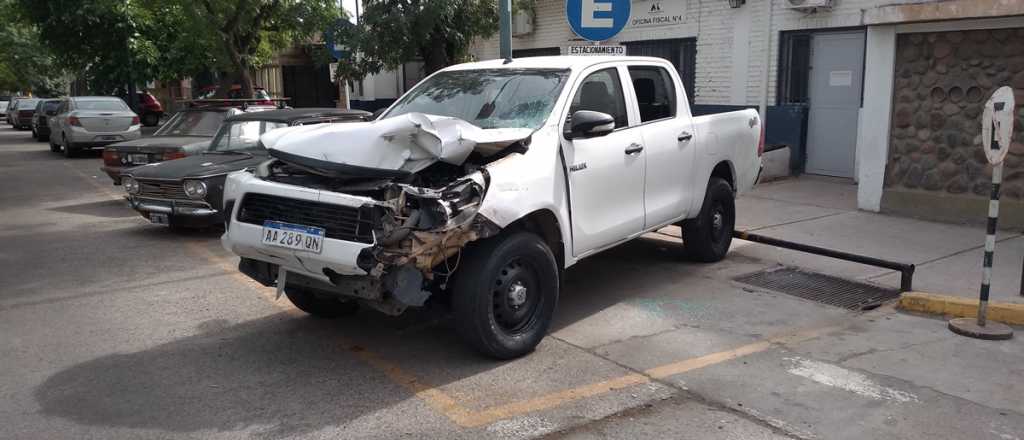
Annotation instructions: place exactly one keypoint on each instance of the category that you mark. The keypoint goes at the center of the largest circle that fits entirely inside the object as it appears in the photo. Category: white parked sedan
(84, 122)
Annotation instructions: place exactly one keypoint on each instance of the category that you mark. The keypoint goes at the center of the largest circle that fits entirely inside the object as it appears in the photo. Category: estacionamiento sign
(597, 50)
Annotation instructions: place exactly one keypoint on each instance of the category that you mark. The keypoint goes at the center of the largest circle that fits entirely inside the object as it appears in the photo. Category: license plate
(298, 237)
(158, 219)
(139, 158)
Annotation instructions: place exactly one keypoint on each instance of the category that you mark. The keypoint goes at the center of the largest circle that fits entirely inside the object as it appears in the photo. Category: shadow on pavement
(277, 376)
(104, 208)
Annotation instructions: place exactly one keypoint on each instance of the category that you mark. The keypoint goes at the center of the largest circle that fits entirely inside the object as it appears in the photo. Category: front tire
(321, 307)
(707, 238)
(505, 295)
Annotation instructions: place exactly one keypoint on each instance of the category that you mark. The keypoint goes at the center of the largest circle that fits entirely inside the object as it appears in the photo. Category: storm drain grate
(822, 288)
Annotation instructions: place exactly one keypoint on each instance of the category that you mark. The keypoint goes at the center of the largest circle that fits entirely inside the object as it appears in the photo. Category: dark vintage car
(188, 192)
(187, 132)
(40, 124)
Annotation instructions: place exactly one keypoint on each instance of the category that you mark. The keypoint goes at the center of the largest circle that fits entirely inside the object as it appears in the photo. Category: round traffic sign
(997, 125)
(597, 20)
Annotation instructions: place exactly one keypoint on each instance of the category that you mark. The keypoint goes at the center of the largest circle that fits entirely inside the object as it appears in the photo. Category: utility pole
(505, 21)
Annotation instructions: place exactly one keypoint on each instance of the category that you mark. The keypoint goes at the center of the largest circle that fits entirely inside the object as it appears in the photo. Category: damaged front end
(419, 181)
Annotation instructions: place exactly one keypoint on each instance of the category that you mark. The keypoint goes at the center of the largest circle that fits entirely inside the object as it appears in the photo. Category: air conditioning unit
(809, 5)
(522, 23)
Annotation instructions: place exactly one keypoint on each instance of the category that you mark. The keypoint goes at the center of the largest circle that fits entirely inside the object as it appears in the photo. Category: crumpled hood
(407, 143)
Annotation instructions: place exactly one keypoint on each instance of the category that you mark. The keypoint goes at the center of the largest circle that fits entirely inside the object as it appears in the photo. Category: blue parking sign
(597, 20)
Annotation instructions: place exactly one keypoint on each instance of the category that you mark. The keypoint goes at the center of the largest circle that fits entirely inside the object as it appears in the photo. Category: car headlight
(130, 185)
(195, 189)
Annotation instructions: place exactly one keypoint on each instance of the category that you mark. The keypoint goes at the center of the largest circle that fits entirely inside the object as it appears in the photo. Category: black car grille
(162, 190)
(339, 222)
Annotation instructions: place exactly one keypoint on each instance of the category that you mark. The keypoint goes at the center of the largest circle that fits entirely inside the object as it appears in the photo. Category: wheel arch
(544, 223)
(725, 170)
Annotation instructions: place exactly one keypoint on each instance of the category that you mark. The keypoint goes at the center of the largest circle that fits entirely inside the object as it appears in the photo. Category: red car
(150, 109)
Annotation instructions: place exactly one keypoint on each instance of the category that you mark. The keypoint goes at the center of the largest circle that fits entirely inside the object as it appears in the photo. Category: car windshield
(199, 123)
(498, 98)
(27, 104)
(242, 135)
(115, 105)
(50, 106)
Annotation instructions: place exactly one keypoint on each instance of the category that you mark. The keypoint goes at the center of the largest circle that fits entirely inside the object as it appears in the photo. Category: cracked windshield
(487, 98)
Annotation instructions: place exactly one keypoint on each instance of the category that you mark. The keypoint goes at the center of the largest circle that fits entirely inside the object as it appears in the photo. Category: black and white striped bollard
(996, 132)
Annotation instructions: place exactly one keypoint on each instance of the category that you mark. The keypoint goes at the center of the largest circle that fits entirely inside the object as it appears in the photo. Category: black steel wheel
(707, 237)
(319, 306)
(505, 294)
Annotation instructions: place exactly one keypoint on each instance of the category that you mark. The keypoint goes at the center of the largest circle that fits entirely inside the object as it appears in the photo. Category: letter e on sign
(997, 125)
(597, 20)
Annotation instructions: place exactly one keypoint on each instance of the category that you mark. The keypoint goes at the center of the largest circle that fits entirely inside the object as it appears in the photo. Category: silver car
(84, 122)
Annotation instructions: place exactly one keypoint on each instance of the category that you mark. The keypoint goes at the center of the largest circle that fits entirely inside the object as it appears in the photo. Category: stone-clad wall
(942, 82)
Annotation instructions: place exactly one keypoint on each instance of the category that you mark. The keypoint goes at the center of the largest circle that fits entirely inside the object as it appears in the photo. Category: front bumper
(246, 240)
(187, 213)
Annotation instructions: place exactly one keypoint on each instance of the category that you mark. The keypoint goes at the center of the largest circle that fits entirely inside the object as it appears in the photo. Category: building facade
(886, 93)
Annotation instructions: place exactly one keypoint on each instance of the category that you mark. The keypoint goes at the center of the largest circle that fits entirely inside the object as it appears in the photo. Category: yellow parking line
(495, 413)
(467, 418)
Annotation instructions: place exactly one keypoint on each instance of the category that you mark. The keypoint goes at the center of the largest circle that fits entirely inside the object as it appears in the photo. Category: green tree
(27, 65)
(393, 32)
(245, 33)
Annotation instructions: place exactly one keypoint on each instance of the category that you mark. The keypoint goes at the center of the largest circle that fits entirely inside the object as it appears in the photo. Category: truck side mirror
(587, 123)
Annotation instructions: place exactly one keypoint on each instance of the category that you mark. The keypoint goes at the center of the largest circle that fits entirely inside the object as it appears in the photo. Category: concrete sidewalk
(822, 212)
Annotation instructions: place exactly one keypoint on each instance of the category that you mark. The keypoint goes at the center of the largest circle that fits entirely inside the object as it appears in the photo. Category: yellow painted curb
(960, 307)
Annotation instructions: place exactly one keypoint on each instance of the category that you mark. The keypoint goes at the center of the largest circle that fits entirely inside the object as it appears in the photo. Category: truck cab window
(655, 93)
(601, 91)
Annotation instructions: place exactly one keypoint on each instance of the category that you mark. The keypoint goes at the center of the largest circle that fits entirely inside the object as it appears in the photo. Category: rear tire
(69, 150)
(505, 294)
(321, 307)
(707, 238)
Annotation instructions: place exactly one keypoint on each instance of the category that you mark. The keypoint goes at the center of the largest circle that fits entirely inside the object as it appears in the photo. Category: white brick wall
(714, 24)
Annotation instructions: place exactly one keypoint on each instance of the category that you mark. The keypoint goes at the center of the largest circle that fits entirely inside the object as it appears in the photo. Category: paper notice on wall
(840, 78)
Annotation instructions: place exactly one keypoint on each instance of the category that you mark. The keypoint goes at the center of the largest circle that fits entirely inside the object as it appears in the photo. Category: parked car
(4, 102)
(149, 108)
(187, 132)
(187, 192)
(482, 183)
(21, 115)
(44, 110)
(9, 109)
(85, 122)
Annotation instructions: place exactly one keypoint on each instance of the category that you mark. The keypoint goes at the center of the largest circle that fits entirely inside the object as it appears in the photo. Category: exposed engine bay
(426, 177)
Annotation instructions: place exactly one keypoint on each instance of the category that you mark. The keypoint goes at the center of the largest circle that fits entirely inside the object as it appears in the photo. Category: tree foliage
(110, 43)
(245, 33)
(26, 65)
(393, 32)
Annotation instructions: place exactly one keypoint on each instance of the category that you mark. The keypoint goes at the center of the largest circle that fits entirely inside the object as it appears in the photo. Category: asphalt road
(114, 328)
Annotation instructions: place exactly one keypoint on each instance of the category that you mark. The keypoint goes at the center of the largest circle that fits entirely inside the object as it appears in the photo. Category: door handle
(684, 136)
(634, 148)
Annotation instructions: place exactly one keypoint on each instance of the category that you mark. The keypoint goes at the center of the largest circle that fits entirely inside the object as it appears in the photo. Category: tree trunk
(241, 67)
(435, 56)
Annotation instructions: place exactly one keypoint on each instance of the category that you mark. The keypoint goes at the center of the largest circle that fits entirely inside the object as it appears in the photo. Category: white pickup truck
(482, 183)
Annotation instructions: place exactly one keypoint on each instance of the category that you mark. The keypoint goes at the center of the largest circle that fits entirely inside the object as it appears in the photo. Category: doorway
(825, 72)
